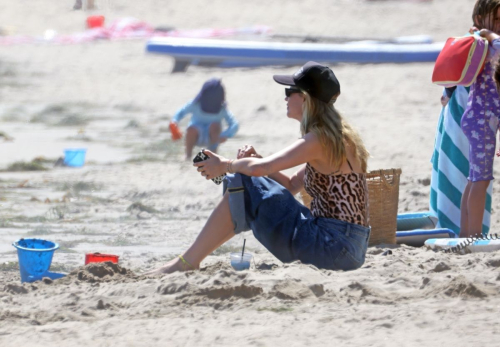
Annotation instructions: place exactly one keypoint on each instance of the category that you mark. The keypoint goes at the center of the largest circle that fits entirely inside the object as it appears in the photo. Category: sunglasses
(290, 91)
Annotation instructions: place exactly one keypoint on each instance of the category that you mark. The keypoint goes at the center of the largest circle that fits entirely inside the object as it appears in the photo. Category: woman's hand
(212, 167)
(247, 151)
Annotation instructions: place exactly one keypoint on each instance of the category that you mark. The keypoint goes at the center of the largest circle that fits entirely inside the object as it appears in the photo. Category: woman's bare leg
(475, 208)
(218, 229)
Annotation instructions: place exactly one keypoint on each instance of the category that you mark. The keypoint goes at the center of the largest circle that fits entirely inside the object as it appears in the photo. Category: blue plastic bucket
(35, 257)
(74, 157)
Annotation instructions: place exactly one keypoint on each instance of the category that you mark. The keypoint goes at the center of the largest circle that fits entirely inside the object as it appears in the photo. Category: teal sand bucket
(74, 157)
(35, 257)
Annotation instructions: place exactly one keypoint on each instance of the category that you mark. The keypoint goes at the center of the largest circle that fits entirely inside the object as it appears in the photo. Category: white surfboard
(229, 53)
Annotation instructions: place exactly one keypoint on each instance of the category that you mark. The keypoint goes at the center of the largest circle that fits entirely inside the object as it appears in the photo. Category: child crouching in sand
(207, 110)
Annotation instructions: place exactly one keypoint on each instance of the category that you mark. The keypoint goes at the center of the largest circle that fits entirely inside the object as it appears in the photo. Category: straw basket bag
(383, 197)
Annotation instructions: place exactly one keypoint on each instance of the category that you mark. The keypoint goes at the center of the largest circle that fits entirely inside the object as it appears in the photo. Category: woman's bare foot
(172, 266)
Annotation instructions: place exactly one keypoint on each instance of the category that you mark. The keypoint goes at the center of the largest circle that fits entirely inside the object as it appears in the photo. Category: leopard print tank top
(340, 196)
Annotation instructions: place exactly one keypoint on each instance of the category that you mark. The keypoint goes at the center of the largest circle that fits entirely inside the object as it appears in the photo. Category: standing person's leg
(464, 212)
(191, 139)
(475, 207)
(480, 127)
(214, 134)
(218, 229)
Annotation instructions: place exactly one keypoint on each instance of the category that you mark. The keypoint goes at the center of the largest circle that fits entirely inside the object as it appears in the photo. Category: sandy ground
(136, 198)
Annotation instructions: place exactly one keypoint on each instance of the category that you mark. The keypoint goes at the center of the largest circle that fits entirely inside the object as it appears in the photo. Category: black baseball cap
(316, 79)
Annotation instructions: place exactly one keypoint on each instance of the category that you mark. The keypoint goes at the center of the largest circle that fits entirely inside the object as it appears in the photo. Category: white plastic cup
(241, 263)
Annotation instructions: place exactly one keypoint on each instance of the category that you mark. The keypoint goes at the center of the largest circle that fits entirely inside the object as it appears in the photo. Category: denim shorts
(289, 230)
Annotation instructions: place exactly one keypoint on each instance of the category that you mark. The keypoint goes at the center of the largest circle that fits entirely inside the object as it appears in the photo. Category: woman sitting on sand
(334, 233)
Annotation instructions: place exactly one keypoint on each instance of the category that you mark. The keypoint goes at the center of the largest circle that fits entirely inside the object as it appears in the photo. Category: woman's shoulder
(312, 138)
(313, 142)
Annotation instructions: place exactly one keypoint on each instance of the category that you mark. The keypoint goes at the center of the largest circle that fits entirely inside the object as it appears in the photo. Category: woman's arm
(293, 183)
(301, 151)
(306, 149)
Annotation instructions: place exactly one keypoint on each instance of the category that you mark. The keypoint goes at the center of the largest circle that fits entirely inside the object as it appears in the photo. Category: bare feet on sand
(176, 264)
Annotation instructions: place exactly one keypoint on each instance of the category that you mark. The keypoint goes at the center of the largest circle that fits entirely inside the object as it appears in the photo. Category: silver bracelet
(229, 168)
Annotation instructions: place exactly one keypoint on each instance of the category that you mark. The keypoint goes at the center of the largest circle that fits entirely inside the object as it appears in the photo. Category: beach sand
(137, 198)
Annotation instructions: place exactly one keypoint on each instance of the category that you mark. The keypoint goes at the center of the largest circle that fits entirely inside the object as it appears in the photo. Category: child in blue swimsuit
(207, 110)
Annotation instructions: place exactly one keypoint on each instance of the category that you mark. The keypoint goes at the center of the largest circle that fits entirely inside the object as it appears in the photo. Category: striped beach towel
(450, 166)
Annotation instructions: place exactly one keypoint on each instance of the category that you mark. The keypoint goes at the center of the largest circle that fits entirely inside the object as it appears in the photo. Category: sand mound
(173, 288)
(227, 291)
(216, 282)
(442, 266)
(265, 266)
(15, 289)
(293, 290)
(101, 272)
(460, 287)
(493, 262)
(220, 286)
(216, 267)
(357, 292)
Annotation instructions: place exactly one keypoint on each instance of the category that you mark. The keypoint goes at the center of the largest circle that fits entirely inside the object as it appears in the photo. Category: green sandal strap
(185, 262)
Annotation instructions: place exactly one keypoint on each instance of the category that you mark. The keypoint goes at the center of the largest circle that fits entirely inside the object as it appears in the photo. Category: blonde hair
(333, 132)
(484, 13)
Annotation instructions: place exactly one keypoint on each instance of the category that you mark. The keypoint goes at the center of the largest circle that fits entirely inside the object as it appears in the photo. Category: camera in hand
(202, 157)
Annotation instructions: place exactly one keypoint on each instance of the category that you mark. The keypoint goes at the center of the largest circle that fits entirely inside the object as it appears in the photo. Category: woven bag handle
(381, 173)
